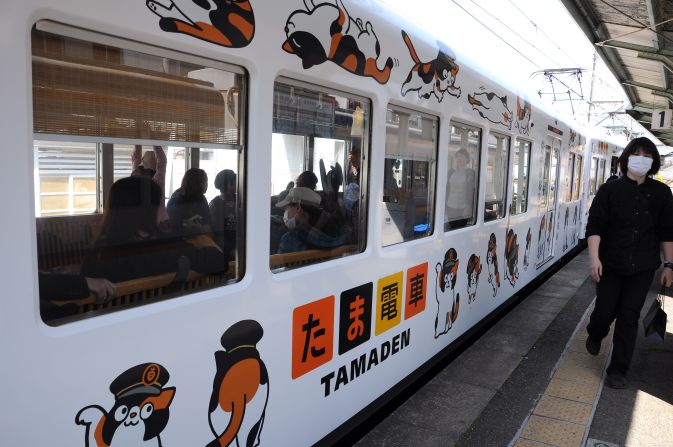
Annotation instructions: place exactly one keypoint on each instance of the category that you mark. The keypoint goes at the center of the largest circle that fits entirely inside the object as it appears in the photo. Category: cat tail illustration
(456, 307)
(410, 47)
(438, 268)
(237, 413)
(93, 414)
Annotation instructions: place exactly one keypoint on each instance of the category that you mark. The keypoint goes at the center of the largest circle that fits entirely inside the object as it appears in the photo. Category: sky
(527, 37)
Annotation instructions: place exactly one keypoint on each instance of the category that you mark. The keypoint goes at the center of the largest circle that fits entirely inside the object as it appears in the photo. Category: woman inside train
(630, 225)
(223, 211)
(461, 189)
(131, 245)
(188, 210)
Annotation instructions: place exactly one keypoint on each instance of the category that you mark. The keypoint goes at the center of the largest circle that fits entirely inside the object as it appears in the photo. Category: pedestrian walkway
(562, 415)
(529, 382)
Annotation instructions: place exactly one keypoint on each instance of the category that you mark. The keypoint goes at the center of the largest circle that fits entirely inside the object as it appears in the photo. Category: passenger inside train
(309, 226)
(131, 245)
(188, 210)
(223, 212)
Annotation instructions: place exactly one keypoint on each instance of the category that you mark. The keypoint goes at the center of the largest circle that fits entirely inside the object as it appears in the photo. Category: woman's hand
(596, 268)
(666, 277)
(104, 290)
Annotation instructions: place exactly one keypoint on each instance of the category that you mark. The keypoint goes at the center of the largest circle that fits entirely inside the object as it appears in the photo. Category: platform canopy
(635, 39)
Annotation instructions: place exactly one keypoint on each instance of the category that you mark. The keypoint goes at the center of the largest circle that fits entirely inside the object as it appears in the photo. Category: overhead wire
(524, 39)
(599, 78)
(496, 34)
(543, 33)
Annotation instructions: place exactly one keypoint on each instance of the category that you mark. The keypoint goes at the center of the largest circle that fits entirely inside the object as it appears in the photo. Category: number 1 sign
(661, 119)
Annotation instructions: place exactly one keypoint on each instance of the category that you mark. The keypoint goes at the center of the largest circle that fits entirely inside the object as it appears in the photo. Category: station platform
(529, 382)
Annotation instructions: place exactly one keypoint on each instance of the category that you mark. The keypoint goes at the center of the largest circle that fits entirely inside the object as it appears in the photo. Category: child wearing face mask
(630, 225)
(309, 227)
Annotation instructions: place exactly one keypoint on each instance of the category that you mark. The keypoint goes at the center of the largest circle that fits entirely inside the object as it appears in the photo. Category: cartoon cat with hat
(240, 388)
(139, 414)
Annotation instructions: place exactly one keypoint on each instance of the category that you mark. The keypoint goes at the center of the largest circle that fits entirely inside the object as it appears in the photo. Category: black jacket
(632, 220)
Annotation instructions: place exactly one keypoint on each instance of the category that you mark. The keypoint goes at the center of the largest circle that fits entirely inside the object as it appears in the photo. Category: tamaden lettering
(312, 335)
(355, 320)
(360, 365)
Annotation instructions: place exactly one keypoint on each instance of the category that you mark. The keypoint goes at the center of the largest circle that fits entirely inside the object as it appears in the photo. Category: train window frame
(515, 148)
(423, 230)
(570, 176)
(294, 260)
(476, 216)
(578, 184)
(104, 146)
(507, 163)
(593, 176)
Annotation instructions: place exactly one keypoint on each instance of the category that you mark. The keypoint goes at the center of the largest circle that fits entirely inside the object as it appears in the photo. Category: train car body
(284, 356)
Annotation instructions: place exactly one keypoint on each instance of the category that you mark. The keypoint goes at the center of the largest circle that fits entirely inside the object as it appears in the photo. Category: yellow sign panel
(389, 302)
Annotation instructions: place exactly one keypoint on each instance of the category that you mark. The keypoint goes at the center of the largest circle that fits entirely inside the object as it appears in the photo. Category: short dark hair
(307, 179)
(645, 144)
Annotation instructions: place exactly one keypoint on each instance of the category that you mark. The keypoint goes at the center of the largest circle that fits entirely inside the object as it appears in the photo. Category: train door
(549, 198)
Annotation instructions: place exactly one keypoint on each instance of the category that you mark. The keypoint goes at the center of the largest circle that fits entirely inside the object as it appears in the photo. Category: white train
(446, 193)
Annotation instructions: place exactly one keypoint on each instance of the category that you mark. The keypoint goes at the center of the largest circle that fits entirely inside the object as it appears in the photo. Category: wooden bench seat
(146, 289)
(305, 257)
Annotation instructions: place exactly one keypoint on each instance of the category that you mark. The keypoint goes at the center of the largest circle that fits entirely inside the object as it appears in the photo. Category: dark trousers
(621, 297)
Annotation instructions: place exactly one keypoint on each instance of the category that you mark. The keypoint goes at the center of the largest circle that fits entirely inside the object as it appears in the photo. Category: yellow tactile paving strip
(562, 415)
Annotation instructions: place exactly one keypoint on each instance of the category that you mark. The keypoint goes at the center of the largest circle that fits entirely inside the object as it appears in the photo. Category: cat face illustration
(140, 412)
(432, 78)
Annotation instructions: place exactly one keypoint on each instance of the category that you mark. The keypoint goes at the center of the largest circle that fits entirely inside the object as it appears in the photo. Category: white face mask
(639, 165)
(290, 222)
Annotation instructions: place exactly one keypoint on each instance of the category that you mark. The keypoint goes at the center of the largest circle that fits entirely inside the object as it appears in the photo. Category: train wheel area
(529, 381)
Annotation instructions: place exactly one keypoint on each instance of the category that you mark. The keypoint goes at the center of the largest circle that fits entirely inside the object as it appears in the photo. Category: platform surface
(529, 382)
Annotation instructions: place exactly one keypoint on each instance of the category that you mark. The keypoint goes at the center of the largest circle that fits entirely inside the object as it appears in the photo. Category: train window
(463, 178)
(520, 171)
(409, 175)
(577, 179)
(496, 176)
(320, 147)
(136, 192)
(593, 175)
(601, 172)
(569, 177)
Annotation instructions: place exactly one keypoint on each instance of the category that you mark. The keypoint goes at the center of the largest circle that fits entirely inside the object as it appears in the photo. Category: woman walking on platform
(630, 222)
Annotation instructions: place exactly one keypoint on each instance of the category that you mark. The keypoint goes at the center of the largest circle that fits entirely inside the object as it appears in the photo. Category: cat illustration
(526, 253)
(511, 253)
(541, 236)
(230, 23)
(447, 306)
(491, 107)
(435, 77)
(523, 112)
(327, 32)
(566, 243)
(473, 272)
(139, 414)
(550, 229)
(492, 264)
(576, 231)
(240, 388)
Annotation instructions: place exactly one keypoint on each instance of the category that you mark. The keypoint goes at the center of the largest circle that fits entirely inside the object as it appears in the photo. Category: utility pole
(591, 89)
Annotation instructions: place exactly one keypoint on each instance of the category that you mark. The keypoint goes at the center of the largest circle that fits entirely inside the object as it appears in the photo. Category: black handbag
(654, 322)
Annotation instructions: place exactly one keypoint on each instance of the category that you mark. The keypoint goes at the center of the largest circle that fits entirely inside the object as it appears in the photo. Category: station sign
(661, 119)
